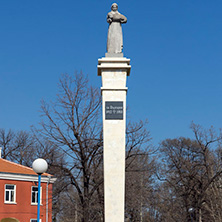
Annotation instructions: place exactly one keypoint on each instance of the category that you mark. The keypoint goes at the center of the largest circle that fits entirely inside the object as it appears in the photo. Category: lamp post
(39, 166)
(191, 211)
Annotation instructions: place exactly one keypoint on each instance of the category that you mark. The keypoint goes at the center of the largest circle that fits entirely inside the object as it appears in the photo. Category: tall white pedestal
(114, 71)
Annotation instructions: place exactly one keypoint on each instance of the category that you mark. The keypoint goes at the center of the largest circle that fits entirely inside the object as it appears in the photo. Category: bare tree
(190, 171)
(73, 124)
(17, 146)
(6, 142)
(140, 169)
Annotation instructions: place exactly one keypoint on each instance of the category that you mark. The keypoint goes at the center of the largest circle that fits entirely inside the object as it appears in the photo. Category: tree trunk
(200, 215)
(86, 198)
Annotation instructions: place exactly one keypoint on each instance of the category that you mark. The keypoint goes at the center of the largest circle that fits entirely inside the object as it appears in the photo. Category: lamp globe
(40, 166)
(191, 210)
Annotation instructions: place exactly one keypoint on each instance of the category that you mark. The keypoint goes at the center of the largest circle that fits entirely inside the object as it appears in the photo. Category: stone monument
(114, 69)
(115, 36)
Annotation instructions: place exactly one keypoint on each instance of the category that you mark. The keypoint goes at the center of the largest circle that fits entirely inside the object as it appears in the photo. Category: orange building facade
(19, 193)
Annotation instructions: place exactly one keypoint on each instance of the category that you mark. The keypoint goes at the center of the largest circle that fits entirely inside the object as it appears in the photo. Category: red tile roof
(11, 167)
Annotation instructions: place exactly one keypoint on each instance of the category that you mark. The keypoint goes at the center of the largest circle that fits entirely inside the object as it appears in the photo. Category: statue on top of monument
(115, 36)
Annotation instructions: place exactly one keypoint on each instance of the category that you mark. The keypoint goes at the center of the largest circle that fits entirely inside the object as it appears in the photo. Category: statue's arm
(119, 18)
(123, 19)
(109, 18)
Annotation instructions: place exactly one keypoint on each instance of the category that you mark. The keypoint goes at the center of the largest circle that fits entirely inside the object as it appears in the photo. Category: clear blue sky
(175, 49)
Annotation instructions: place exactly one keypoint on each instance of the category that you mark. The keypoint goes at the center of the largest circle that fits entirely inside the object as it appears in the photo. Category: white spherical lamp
(191, 210)
(40, 166)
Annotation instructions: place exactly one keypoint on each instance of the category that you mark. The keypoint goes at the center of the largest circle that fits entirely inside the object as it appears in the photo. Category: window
(35, 195)
(10, 193)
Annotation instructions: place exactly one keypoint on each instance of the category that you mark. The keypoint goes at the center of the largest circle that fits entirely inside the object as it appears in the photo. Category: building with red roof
(19, 193)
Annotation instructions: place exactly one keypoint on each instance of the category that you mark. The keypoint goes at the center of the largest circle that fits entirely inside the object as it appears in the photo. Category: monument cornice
(114, 89)
(113, 64)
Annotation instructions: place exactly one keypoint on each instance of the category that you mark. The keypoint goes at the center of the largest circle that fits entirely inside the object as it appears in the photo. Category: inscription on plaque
(113, 110)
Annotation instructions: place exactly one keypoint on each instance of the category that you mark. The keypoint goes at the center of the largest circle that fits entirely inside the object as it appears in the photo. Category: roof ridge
(20, 165)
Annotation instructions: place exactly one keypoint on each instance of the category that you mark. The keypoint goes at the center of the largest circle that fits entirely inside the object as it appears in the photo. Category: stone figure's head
(114, 7)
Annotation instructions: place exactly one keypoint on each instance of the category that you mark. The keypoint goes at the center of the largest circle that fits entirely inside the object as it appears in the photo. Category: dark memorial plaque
(113, 110)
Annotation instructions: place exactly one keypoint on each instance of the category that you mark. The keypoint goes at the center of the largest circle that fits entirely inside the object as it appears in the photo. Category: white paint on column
(114, 72)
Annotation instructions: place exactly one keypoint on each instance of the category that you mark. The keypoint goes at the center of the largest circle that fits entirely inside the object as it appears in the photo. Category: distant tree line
(178, 181)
